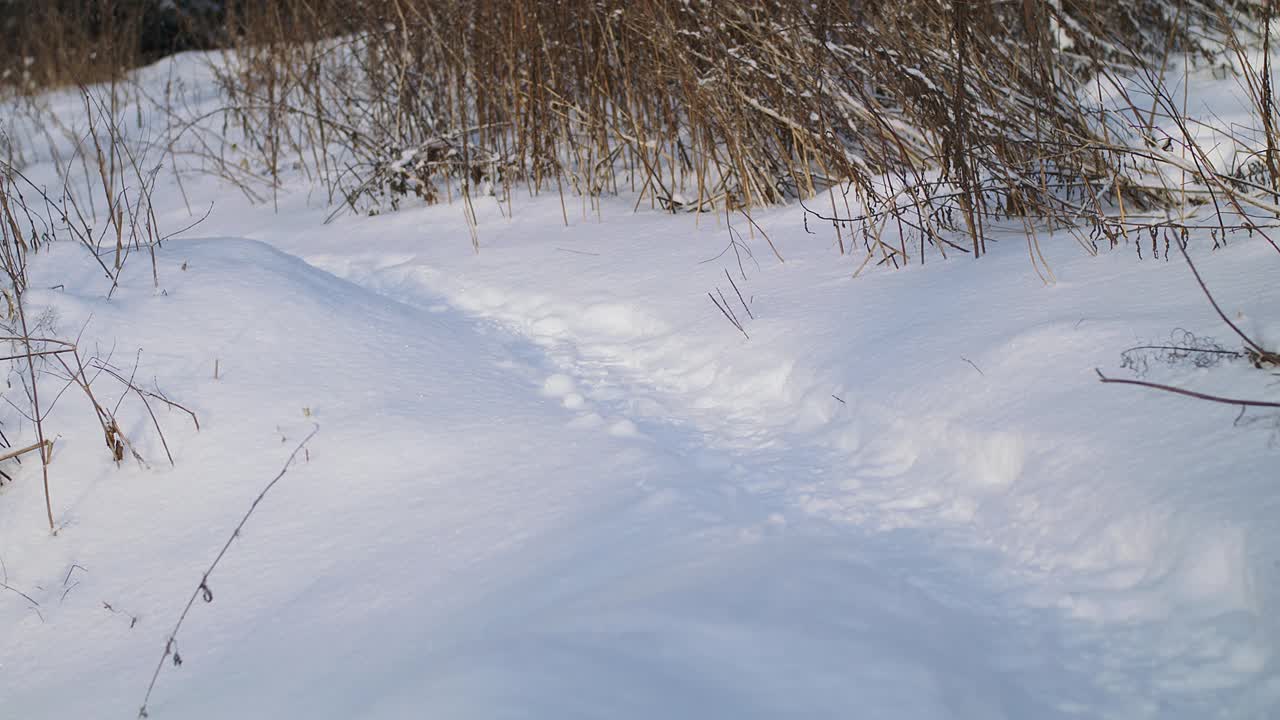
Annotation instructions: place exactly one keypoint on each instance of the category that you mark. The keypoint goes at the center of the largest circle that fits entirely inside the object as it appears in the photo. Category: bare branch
(202, 590)
(1188, 393)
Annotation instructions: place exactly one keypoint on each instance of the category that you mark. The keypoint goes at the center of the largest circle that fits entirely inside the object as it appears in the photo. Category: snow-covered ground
(552, 480)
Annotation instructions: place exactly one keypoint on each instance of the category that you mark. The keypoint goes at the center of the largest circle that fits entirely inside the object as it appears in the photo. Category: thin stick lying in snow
(1188, 350)
(202, 590)
(735, 289)
(27, 449)
(578, 252)
(975, 367)
(1188, 393)
(16, 590)
(727, 316)
(732, 314)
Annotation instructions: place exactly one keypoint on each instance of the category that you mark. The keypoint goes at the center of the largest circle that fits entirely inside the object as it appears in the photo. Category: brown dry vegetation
(49, 43)
(935, 116)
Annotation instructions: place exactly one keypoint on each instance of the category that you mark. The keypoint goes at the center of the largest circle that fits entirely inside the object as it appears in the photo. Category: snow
(551, 480)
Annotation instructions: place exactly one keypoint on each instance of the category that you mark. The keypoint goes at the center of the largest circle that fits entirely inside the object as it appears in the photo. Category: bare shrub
(912, 125)
(971, 111)
(118, 223)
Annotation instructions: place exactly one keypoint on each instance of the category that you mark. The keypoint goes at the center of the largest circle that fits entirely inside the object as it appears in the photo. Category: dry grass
(909, 126)
(971, 111)
(56, 43)
(111, 217)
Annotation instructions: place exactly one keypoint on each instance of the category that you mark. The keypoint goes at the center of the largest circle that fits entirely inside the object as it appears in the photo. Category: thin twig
(578, 252)
(1188, 393)
(1188, 350)
(70, 570)
(975, 367)
(30, 599)
(725, 300)
(735, 289)
(48, 444)
(727, 316)
(1247, 340)
(192, 225)
(39, 353)
(35, 403)
(202, 590)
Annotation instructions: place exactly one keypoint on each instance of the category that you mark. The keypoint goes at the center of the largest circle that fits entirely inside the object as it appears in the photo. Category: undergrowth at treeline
(929, 117)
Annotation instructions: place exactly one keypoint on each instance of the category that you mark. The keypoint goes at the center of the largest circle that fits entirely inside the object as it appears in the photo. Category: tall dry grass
(972, 110)
(109, 214)
(928, 118)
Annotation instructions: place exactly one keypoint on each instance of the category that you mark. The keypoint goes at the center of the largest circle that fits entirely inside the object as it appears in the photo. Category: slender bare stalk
(202, 589)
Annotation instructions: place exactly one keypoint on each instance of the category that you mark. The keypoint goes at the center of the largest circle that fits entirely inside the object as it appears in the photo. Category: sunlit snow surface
(552, 480)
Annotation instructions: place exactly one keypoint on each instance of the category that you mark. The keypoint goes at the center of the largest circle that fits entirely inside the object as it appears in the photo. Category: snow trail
(511, 561)
(843, 466)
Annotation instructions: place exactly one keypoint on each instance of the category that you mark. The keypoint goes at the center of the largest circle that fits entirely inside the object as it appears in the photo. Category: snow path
(499, 523)
(761, 459)
(738, 585)
(510, 562)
